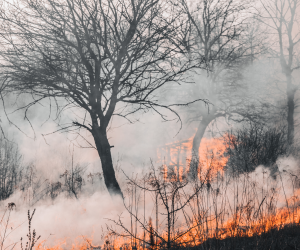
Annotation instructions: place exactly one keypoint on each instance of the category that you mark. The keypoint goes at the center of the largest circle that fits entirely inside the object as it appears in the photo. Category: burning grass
(219, 204)
(190, 213)
(220, 209)
(286, 237)
(250, 211)
(81, 243)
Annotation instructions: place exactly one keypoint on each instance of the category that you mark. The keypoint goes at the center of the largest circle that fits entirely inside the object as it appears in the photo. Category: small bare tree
(226, 42)
(105, 58)
(173, 194)
(73, 180)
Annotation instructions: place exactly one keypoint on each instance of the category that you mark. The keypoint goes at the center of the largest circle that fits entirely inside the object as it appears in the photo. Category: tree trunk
(206, 120)
(103, 148)
(291, 108)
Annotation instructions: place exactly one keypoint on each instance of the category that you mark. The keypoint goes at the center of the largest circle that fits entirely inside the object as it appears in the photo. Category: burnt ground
(286, 238)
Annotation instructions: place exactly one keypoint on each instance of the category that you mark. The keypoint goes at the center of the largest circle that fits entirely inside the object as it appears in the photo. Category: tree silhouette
(282, 19)
(105, 57)
(225, 43)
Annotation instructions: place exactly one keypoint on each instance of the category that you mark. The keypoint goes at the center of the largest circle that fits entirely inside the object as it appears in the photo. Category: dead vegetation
(234, 202)
(217, 210)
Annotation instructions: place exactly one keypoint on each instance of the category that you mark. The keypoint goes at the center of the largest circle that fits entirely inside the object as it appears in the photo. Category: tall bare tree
(225, 42)
(282, 18)
(105, 57)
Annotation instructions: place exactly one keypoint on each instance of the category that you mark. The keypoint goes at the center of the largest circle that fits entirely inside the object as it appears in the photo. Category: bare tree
(10, 168)
(172, 196)
(226, 43)
(106, 58)
(282, 18)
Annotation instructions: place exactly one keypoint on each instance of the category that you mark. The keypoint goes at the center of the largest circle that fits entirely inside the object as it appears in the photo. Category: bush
(255, 145)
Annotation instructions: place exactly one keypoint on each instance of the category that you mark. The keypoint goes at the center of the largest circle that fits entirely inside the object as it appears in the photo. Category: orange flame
(178, 155)
(244, 221)
(81, 243)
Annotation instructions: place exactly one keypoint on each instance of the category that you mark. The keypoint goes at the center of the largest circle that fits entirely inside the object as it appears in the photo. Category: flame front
(177, 157)
(226, 206)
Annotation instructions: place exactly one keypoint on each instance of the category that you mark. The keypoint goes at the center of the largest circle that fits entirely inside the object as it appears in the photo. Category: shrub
(255, 145)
